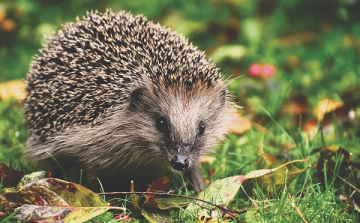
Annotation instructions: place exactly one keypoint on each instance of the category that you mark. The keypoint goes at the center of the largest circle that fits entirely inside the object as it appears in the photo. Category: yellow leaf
(207, 159)
(263, 172)
(326, 106)
(14, 89)
(240, 125)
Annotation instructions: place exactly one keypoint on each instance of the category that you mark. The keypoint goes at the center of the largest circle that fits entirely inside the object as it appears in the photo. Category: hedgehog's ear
(136, 96)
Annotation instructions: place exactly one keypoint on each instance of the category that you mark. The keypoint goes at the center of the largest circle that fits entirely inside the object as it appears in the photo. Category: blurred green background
(313, 44)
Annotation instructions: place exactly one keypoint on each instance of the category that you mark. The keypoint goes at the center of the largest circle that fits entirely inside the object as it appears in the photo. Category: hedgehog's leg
(196, 180)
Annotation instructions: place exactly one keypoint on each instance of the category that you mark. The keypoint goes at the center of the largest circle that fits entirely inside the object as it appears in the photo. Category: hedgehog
(123, 98)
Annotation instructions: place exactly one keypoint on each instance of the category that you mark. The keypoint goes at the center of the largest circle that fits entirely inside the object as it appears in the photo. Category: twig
(348, 183)
(230, 212)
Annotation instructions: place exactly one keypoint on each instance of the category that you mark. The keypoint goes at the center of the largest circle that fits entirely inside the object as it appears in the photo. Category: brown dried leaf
(15, 89)
(8, 25)
(10, 177)
(162, 184)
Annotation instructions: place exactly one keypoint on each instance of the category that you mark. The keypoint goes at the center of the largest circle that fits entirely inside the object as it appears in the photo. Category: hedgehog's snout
(179, 162)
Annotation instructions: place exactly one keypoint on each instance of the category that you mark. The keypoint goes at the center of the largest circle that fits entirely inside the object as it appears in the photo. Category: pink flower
(268, 70)
(255, 70)
(122, 217)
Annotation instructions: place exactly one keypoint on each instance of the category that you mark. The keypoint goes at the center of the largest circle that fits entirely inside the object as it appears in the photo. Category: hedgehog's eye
(161, 124)
(201, 128)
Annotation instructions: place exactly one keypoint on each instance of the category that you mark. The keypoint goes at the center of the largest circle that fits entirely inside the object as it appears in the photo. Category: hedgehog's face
(183, 124)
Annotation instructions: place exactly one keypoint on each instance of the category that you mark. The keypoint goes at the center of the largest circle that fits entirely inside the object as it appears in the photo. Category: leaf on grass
(326, 106)
(12, 89)
(52, 193)
(10, 177)
(265, 159)
(156, 216)
(162, 184)
(328, 112)
(155, 209)
(220, 192)
(29, 212)
(240, 125)
(31, 177)
(266, 177)
(166, 203)
(259, 173)
(207, 159)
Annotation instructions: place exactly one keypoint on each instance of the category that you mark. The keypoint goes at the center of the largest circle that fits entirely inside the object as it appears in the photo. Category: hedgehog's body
(121, 97)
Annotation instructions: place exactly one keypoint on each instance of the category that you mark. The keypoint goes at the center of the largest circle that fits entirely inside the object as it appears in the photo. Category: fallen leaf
(166, 203)
(156, 216)
(31, 177)
(259, 173)
(14, 88)
(207, 159)
(8, 25)
(10, 177)
(240, 125)
(265, 159)
(46, 196)
(220, 192)
(266, 178)
(326, 106)
(38, 213)
(162, 184)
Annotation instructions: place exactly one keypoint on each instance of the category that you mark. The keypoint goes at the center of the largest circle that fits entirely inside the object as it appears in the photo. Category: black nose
(179, 163)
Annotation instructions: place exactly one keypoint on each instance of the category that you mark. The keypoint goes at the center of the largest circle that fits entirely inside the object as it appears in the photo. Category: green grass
(13, 134)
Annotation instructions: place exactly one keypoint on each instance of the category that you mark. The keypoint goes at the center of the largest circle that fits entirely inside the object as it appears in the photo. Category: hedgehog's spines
(90, 65)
